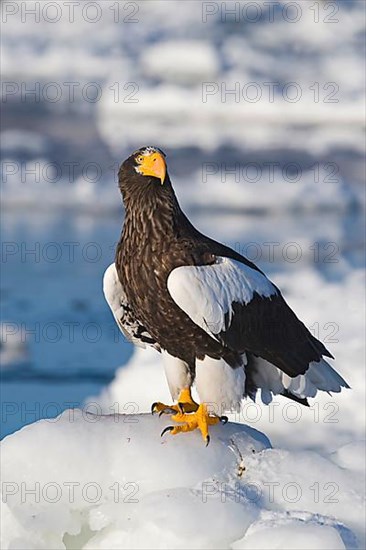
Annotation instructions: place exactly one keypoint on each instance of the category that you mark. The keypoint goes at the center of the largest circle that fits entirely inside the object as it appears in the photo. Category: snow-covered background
(260, 109)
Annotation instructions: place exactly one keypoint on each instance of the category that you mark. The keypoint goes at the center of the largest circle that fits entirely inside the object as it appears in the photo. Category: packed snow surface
(110, 481)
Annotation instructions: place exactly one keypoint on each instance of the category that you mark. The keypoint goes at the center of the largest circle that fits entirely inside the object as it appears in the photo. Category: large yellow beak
(153, 165)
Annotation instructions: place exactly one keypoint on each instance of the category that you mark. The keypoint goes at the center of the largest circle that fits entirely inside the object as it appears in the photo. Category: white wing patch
(117, 301)
(206, 293)
(113, 292)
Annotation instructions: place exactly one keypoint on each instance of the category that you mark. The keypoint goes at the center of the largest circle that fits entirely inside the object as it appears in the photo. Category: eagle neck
(150, 219)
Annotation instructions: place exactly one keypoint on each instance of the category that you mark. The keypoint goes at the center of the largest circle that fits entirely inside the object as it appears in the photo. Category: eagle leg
(185, 404)
(200, 419)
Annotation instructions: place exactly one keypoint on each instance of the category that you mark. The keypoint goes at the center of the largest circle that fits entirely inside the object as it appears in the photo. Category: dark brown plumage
(156, 238)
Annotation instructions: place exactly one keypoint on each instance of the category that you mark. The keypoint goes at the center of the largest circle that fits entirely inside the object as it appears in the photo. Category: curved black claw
(153, 407)
(224, 419)
(181, 408)
(207, 440)
(167, 429)
(167, 410)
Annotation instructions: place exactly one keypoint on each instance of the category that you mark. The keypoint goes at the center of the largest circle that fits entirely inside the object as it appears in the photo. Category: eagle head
(147, 162)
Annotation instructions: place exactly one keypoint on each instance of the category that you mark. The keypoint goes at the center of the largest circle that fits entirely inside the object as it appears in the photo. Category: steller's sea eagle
(218, 320)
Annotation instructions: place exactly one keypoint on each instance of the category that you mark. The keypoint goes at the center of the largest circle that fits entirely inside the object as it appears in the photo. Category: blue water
(51, 291)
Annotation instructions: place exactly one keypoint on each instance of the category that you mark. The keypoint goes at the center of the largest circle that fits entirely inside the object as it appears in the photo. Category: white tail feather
(319, 376)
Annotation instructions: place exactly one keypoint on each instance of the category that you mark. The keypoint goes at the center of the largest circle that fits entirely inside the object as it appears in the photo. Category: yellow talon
(200, 419)
(185, 404)
(189, 415)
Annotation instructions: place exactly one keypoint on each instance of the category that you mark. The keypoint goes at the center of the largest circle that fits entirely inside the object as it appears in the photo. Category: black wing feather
(266, 327)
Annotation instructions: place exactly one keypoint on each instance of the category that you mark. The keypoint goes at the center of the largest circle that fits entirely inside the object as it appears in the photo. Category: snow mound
(290, 534)
(109, 481)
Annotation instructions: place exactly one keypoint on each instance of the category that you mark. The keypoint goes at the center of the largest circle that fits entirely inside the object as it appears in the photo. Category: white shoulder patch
(206, 293)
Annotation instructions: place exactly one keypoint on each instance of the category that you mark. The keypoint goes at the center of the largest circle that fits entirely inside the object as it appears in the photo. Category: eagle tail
(260, 374)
